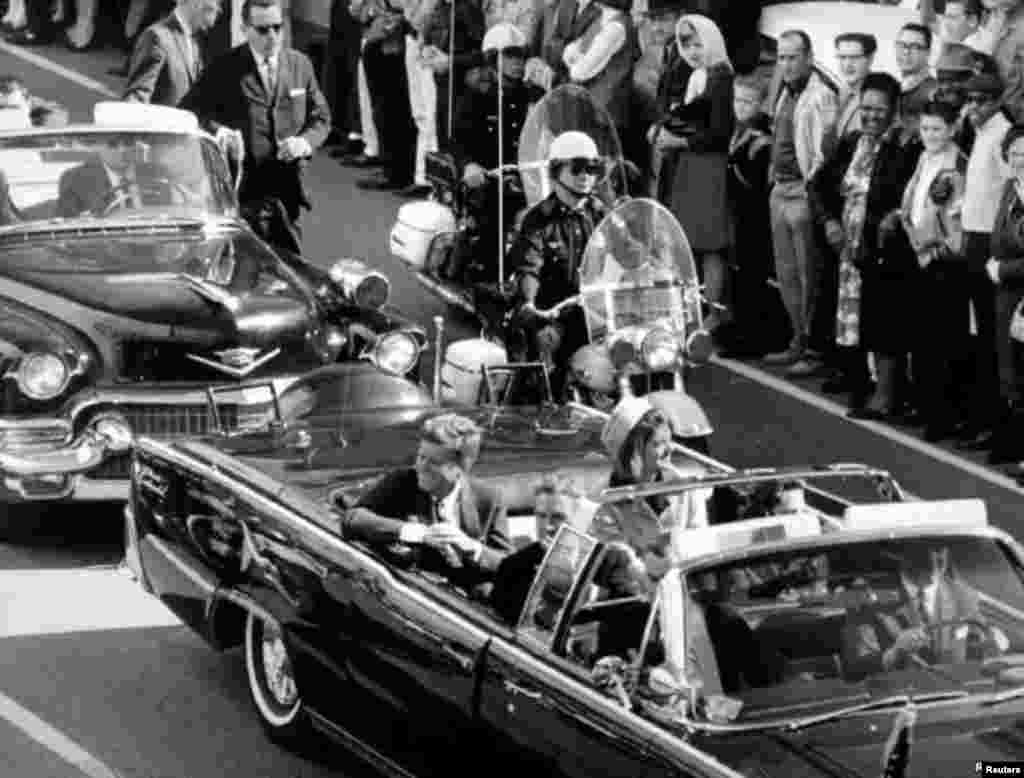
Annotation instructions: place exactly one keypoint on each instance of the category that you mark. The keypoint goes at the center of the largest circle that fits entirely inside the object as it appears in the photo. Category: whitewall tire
(272, 684)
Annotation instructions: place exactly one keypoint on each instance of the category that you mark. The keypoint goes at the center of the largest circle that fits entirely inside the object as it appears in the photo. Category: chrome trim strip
(359, 748)
(236, 372)
(652, 732)
(183, 567)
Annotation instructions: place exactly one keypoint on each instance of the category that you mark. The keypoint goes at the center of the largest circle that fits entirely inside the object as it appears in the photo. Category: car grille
(178, 421)
(21, 440)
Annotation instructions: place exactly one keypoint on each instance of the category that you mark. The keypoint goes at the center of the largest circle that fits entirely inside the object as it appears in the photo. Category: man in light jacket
(805, 116)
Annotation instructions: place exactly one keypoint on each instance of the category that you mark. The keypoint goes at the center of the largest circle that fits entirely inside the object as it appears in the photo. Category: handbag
(1017, 323)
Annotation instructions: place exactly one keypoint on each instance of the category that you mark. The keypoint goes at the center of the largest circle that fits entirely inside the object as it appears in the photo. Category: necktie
(270, 76)
(195, 50)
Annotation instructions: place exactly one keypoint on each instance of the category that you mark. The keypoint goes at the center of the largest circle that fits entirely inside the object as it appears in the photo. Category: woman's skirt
(693, 186)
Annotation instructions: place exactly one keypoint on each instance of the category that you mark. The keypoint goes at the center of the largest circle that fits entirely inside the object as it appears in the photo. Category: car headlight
(396, 352)
(659, 350)
(360, 284)
(42, 376)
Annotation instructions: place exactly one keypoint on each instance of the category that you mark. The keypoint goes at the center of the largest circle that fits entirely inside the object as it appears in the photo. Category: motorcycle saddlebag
(418, 224)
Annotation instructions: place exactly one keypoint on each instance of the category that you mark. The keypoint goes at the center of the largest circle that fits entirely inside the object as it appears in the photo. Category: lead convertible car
(766, 651)
(131, 288)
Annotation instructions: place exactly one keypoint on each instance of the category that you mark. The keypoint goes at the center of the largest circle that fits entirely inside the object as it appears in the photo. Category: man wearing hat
(955, 65)
(983, 187)
(1001, 36)
(479, 123)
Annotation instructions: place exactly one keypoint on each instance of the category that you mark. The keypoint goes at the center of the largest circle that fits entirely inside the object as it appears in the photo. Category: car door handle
(464, 662)
(520, 691)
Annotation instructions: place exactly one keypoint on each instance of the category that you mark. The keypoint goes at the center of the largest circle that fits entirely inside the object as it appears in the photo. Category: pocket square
(293, 93)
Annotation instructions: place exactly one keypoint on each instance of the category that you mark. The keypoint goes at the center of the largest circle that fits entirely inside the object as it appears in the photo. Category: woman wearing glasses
(690, 146)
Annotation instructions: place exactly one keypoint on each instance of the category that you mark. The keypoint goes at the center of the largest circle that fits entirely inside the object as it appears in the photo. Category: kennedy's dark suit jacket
(87, 187)
(230, 93)
(378, 518)
(160, 70)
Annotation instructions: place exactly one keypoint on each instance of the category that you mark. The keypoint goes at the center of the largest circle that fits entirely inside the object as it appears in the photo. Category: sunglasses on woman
(580, 165)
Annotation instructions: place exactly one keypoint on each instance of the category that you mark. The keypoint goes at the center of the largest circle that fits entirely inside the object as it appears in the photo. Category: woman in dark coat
(1006, 269)
(690, 147)
(856, 197)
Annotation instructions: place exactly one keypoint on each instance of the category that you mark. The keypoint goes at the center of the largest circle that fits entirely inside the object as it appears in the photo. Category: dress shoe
(415, 190)
(27, 37)
(361, 160)
(867, 413)
(804, 368)
(380, 183)
(980, 442)
(788, 357)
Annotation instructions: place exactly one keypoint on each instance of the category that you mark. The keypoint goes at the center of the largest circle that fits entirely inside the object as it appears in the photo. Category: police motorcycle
(644, 321)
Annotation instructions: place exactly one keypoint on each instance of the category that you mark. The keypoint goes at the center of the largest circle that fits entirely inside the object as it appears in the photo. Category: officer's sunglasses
(514, 52)
(580, 165)
(264, 29)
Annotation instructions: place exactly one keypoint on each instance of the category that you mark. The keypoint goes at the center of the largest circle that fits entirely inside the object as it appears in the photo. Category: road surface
(99, 680)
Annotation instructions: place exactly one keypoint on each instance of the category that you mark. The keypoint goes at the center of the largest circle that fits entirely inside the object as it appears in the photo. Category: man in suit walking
(456, 523)
(168, 56)
(266, 98)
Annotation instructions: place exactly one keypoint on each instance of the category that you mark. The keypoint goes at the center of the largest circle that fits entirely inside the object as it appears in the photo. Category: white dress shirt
(604, 46)
(269, 79)
(448, 506)
(987, 173)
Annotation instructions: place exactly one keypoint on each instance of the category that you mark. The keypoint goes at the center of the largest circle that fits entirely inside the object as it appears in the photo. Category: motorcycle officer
(546, 258)
(476, 135)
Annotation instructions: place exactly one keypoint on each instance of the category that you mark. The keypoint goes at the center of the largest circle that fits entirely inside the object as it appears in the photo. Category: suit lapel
(583, 21)
(469, 517)
(188, 56)
(252, 79)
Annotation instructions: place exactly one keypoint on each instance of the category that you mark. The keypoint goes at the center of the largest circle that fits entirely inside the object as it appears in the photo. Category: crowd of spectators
(888, 202)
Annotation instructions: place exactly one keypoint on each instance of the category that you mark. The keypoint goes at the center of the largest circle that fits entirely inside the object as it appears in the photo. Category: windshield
(230, 258)
(111, 176)
(844, 623)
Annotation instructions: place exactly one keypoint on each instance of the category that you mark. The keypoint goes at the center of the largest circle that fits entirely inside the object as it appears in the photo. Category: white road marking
(53, 739)
(55, 602)
(835, 409)
(48, 64)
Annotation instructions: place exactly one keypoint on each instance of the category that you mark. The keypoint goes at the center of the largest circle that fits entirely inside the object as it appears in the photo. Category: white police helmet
(571, 145)
(503, 36)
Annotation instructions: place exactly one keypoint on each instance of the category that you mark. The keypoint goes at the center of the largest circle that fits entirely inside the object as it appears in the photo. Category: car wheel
(272, 681)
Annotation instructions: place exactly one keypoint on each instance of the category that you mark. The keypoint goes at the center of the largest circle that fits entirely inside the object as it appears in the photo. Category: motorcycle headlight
(659, 350)
(42, 376)
(360, 284)
(396, 352)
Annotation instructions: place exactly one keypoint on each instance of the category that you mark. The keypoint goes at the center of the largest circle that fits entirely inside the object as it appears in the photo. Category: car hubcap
(277, 667)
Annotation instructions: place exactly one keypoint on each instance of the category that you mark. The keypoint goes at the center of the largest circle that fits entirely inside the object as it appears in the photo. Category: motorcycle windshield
(638, 273)
(569, 107)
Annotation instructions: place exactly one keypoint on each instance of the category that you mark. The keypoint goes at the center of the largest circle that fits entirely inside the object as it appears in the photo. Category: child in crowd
(759, 325)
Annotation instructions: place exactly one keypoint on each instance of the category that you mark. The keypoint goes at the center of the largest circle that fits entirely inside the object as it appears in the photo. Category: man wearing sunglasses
(270, 95)
(547, 253)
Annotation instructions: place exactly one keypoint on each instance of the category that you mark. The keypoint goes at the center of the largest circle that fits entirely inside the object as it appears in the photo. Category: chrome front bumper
(34, 473)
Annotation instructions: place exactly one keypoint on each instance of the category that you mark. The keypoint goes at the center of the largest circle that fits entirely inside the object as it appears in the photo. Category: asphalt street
(97, 679)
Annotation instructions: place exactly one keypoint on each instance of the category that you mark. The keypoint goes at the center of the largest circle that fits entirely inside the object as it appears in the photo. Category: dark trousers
(823, 326)
(342, 68)
(986, 410)
(938, 358)
(389, 94)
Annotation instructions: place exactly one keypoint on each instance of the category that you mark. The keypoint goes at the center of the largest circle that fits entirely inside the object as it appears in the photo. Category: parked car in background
(132, 291)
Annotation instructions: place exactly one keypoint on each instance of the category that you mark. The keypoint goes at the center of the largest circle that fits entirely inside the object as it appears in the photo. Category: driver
(547, 253)
(456, 523)
(116, 174)
(877, 640)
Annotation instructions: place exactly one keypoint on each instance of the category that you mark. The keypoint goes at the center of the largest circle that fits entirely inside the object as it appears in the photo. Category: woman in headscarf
(639, 439)
(690, 144)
